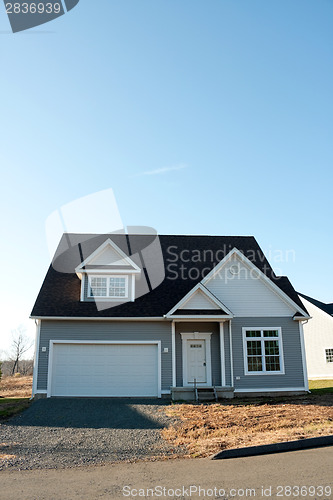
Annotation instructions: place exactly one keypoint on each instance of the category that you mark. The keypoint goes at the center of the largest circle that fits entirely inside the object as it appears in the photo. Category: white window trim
(107, 297)
(330, 354)
(279, 339)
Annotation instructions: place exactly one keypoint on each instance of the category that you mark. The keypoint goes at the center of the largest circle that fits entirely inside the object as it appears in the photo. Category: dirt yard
(206, 429)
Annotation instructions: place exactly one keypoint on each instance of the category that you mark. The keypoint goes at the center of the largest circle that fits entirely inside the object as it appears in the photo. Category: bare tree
(20, 344)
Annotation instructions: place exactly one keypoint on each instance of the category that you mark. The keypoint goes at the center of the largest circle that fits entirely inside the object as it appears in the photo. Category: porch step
(206, 394)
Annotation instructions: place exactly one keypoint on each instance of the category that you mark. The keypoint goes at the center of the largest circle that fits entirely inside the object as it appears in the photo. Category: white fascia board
(100, 249)
(193, 317)
(283, 296)
(109, 271)
(199, 319)
(206, 292)
(94, 318)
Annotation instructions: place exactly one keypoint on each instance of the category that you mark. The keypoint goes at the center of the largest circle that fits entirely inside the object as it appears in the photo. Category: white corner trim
(210, 296)
(100, 249)
(83, 280)
(158, 343)
(222, 354)
(283, 296)
(36, 358)
(173, 354)
(305, 370)
(133, 288)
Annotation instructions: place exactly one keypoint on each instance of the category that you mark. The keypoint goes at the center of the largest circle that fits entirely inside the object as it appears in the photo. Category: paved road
(235, 478)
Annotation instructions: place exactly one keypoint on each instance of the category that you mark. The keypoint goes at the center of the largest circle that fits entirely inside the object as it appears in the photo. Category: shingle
(60, 292)
(327, 308)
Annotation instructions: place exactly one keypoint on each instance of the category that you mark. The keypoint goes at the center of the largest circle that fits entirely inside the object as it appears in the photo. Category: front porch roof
(217, 307)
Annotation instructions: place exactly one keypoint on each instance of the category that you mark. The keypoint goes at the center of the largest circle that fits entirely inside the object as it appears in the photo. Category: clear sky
(204, 117)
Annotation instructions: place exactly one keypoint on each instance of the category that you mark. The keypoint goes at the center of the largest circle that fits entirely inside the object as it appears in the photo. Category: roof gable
(246, 290)
(199, 301)
(326, 308)
(108, 256)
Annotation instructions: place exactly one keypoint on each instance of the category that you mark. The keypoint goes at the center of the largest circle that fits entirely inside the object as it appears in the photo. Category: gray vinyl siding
(215, 348)
(292, 354)
(105, 330)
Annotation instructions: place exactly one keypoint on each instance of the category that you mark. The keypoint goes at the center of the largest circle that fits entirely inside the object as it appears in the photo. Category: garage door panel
(104, 370)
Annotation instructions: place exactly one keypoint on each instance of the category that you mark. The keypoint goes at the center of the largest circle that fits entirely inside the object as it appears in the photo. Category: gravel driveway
(67, 432)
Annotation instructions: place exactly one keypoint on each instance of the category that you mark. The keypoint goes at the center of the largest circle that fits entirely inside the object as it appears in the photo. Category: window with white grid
(110, 287)
(262, 351)
(329, 355)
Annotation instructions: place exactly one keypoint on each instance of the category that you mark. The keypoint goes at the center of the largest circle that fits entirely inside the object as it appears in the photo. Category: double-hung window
(262, 351)
(111, 287)
(329, 355)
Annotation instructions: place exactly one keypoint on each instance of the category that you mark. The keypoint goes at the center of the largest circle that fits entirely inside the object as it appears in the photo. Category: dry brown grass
(209, 428)
(16, 387)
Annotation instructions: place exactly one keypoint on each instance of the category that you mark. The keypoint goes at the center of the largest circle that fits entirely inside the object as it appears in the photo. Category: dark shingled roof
(60, 292)
(327, 308)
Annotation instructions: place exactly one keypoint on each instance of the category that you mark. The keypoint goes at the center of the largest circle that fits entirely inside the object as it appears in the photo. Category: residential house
(318, 336)
(143, 316)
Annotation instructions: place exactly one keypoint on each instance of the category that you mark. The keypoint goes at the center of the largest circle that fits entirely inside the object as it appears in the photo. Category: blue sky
(228, 105)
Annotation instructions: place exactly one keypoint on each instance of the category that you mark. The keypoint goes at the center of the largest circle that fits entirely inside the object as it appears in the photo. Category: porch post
(231, 356)
(173, 348)
(222, 354)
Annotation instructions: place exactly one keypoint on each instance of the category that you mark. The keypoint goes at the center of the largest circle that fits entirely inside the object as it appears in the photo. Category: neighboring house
(318, 336)
(116, 318)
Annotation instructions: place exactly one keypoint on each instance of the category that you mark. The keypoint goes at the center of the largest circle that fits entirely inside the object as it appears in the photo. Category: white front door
(196, 362)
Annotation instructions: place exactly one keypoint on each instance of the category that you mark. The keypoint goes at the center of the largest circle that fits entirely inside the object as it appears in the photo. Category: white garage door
(104, 370)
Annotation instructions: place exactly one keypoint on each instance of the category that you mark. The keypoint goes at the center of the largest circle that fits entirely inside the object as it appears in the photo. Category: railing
(196, 397)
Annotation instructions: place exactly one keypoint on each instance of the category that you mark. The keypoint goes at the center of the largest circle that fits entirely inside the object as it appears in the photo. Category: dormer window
(111, 287)
(108, 275)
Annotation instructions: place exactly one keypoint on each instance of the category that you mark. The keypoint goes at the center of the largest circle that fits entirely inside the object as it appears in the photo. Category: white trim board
(272, 389)
(36, 358)
(94, 318)
(222, 354)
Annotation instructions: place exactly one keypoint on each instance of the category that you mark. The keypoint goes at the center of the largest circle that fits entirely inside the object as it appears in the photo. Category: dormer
(108, 275)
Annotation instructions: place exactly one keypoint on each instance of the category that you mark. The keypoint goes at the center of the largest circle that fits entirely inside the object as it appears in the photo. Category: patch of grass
(208, 428)
(321, 386)
(12, 406)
